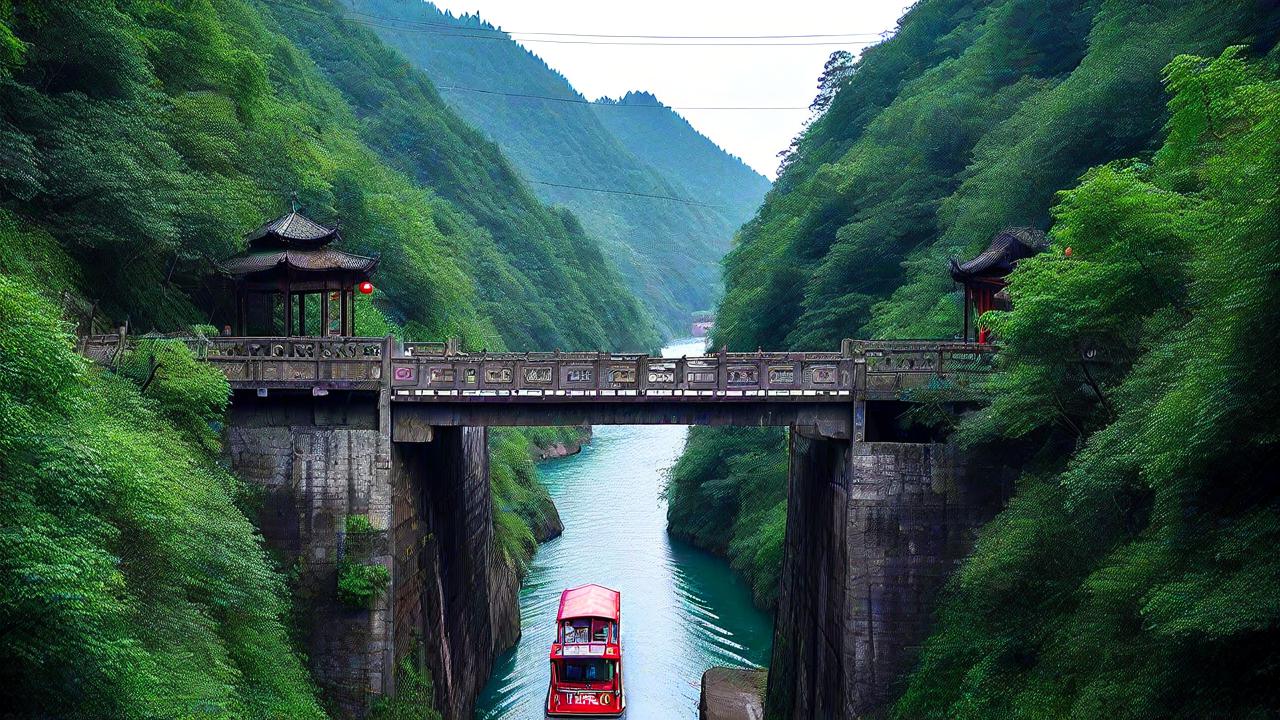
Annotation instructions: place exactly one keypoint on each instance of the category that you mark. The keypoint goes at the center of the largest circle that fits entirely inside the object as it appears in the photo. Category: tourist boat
(586, 655)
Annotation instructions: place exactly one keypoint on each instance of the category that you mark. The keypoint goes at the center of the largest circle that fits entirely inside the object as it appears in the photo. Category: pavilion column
(351, 303)
(288, 309)
(324, 312)
(242, 312)
(347, 326)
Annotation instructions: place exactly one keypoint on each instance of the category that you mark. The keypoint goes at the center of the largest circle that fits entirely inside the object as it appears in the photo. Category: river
(683, 609)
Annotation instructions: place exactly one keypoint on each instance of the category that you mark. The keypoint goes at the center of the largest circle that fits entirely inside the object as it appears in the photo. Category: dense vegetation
(524, 514)
(1131, 575)
(1137, 578)
(138, 142)
(147, 138)
(723, 495)
(668, 250)
(131, 583)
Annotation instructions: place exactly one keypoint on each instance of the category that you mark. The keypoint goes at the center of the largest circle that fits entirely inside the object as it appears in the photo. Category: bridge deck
(453, 388)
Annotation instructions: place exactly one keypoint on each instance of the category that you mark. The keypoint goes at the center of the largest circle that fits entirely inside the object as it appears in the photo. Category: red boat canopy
(589, 601)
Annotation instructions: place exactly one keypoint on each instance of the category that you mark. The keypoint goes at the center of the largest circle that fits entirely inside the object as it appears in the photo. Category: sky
(700, 76)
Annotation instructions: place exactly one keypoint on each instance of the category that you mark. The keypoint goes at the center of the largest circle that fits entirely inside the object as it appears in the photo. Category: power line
(451, 26)
(628, 192)
(398, 27)
(581, 101)
(397, 24)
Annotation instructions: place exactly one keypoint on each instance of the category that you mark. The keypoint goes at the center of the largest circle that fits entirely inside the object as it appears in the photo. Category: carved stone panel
(581, 374)
(622, 375)
(540, 375)
(823, 375)
(782, 374)
(498, 375)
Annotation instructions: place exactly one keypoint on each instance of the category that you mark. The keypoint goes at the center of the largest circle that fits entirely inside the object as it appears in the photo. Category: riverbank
(727, 494)
(565, 442)
(732, 694)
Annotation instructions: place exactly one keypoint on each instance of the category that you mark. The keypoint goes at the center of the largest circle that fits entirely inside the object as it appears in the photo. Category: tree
(838, 68)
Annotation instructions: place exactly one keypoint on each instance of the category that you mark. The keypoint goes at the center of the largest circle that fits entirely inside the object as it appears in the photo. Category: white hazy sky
(699, 76)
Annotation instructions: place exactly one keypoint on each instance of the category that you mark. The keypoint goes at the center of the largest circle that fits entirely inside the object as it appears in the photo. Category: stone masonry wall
(318, 460)
(455, 601)
(451, 606)
(873, 532)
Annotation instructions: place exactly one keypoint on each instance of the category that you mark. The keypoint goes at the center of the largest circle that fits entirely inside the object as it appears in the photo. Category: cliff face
(316, 462)
(456, 597)
(874, 529)
(451, 605)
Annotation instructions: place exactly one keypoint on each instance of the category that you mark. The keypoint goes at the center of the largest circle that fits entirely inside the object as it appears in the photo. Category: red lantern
(366, 287)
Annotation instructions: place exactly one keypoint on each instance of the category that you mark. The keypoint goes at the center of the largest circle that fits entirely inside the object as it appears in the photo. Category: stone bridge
(331, 427)
(434, 385)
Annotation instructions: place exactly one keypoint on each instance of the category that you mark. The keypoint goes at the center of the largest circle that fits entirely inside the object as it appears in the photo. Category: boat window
(576, 631)
(586, 671)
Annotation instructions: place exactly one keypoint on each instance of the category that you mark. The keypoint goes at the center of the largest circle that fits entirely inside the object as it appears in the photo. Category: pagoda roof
(1002, 254)
(293, 229)
(589, 601)
(320, 259)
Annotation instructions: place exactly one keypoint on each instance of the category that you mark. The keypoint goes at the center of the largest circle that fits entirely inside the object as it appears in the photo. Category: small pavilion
(291, 280)
(985, 277)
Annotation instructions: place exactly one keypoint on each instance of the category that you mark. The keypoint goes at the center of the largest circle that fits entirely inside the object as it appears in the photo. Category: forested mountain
(152, 142)
(668, 249)
(139, 141)
(970, 119)
(666, 141)
(1128, 576)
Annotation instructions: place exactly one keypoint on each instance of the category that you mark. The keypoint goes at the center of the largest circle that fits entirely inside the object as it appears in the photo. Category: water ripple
(682, 609)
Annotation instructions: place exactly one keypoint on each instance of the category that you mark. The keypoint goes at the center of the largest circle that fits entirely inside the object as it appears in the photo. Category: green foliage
(191, 394)
(415, 696)
(358, 525)
(147, 137)
(1128, 577)
(966, 121)
(727, 493)
(523, 513)
(1136, 579)
(667, 250)
(29, 252)
(130, 585)
(359, 584)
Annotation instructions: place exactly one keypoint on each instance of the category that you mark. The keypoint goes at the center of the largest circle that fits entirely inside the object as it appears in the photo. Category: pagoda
(985, 277)
(291, 279)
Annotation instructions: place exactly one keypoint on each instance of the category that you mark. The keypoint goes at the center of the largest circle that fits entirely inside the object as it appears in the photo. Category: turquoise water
(683, 610)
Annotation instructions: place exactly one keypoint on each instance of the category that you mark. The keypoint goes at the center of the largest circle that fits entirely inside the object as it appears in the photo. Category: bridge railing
(894, 366)
(568, 376)
(875, 369)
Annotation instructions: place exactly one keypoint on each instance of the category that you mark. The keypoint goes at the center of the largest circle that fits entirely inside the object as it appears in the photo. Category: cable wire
(582, 101)
(452, 26)
(632, 194)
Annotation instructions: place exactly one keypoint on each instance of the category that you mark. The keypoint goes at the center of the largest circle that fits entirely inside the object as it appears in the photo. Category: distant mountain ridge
(603, 160)
(666, 141)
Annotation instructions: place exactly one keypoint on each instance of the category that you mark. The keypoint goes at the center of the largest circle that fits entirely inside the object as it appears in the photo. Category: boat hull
(595, 712)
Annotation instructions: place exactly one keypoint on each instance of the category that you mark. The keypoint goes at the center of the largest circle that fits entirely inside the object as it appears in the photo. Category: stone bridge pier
(874, 529)
(450, 607)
